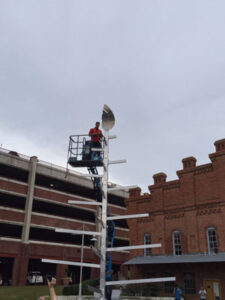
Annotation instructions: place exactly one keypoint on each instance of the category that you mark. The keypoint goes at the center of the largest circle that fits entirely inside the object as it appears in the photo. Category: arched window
(147, 241)
(212, 240)
(177, 243)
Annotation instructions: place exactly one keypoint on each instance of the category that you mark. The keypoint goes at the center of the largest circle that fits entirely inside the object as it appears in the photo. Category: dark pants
(96, 145)
(108, 292)
(95, 153)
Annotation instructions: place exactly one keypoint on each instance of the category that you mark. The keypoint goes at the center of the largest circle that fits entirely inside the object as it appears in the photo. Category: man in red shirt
(96, 135)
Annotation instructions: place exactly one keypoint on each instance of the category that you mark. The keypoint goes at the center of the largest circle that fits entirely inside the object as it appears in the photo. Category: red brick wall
(190, 204)
(13, 187)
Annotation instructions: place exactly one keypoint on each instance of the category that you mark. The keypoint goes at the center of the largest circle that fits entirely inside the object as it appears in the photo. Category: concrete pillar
(29, 200)
(98, 227)
(20, 266)
(61, 273)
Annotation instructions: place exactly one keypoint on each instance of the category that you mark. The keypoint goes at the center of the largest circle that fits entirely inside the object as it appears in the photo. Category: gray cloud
(160, 66)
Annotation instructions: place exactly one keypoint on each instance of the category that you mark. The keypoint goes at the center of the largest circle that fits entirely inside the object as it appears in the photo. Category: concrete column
(20, 266)
(98, 227)
(29, 199)
(61, 273)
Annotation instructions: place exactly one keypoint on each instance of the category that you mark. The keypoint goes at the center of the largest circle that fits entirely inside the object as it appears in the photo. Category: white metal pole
(70, 263)
(104, 214)
(81, 267)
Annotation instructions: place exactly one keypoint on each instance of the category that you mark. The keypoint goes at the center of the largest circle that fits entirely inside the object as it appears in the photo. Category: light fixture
(93, 239)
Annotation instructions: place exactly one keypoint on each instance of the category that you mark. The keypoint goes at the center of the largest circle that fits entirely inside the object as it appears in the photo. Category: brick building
(187, 217)
(33, 200)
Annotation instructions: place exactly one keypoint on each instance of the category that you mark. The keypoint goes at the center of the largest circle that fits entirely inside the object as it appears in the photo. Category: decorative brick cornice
(145, 220)
(203, 169)
(171, 185)
(208, 209)
(179, 212)
(139, 199)
(197, 170)
(171, 216)
(214, 156)
(220, 150)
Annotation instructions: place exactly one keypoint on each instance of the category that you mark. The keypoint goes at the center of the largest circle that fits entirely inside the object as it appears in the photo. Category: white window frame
(147, 241)
(211, 250)
(175, 244)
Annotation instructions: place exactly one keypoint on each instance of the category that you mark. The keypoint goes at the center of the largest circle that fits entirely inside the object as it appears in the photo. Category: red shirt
(95, 138)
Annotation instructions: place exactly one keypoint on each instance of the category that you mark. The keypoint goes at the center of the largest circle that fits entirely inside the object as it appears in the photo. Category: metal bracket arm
(121, 217)
(135, 281)
(121, 161)
(71, 263)
(77, 231)
(84, 202)
(111, 137)
(134, 247)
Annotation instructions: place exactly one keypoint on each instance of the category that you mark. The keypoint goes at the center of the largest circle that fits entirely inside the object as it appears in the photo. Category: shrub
(74, 289)
(141, 290)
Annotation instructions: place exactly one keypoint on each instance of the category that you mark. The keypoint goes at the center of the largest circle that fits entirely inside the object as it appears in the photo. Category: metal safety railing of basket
(80, 148)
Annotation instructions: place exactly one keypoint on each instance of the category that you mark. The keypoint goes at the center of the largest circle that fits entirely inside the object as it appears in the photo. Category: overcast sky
(158, 64)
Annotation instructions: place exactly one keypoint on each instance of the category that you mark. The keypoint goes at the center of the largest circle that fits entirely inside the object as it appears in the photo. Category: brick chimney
(220, 145)
(135, 193)
(189, 162)
(159, 178)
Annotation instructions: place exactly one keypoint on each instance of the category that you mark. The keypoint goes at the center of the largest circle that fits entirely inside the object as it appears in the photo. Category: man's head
(97, 124)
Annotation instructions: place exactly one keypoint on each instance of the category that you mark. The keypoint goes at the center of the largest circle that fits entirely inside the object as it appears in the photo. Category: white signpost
(108, 122)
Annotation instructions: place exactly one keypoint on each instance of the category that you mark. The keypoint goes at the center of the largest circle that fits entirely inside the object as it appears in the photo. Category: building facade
(33, 201)
(187, 217)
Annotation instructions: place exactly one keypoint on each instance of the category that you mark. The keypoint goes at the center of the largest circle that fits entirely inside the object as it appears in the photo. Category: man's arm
(91, 131)
(51, 287)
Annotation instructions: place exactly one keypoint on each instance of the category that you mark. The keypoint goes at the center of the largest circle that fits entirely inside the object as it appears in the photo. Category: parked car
(35, 277)
(4, 281)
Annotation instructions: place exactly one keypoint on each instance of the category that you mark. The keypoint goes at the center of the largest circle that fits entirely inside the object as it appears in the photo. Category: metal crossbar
(84, 202)
(63, 230)
(128, 216)
(121, 161)
(134, 247)
(136, 281)
(71, 263)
